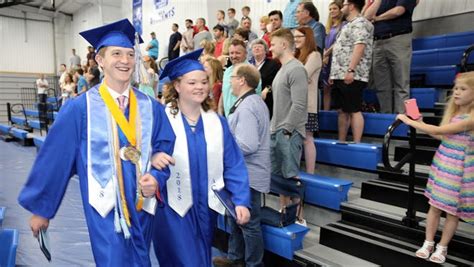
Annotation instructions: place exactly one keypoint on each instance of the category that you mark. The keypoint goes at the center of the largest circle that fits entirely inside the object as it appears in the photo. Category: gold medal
(130, 153)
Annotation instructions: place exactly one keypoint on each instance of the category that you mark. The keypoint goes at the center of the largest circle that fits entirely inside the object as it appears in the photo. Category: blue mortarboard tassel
(120, 33)
(182, 65)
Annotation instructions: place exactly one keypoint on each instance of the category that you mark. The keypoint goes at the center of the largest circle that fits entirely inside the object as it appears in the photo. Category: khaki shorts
(286, 153)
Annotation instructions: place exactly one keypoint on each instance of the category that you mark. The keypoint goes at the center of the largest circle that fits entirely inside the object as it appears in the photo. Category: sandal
(439, 256)
(425, 251)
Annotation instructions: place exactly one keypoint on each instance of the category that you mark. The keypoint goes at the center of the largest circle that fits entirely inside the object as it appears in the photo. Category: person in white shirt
(42, 86)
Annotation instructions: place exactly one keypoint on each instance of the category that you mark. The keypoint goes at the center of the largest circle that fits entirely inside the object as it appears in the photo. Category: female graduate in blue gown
(79, 143)
(183, 235)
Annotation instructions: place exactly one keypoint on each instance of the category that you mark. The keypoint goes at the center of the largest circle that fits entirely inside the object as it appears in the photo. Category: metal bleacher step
(420, 177)
(320, 255)
(393, 193)
(424, 155)
(387, 220)
(377, 248)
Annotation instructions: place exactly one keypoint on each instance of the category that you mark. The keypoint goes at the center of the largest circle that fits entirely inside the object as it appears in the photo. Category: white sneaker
(301, 222)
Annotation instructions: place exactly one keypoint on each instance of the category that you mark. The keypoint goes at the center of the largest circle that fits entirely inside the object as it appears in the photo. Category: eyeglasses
(235, 76)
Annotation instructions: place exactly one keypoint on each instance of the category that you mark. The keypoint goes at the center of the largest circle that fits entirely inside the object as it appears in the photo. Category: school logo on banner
(163, 11)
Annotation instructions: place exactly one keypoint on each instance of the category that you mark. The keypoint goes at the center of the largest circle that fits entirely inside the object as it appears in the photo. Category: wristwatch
(351, 70)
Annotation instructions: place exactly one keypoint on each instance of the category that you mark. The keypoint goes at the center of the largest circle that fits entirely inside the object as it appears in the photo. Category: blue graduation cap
(120, 33)
(182, 65)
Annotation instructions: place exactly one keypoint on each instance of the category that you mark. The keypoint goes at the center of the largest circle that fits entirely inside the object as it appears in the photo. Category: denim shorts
(286, 153)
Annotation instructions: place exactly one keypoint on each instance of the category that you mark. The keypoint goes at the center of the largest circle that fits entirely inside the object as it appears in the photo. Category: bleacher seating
(19, 121)
(374, 123)
(443, 41)
(5, 129)
(324, 191)
(426, 98)
(38, 141)
(8, 245)
(436, 75)
(282, 241)
(438, 57)
(360, 156)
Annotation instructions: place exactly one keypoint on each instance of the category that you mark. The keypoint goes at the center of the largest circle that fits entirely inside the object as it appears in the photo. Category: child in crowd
(451, 181)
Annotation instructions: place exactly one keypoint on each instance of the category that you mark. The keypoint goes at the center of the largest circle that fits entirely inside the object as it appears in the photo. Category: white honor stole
(180, 197)
(102, 178)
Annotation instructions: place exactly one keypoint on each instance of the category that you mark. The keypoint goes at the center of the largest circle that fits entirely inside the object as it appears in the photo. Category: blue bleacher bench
(5, 129)
(284, 241)
(281, 241)
(2, 215)
(19, 133)
(18, 120)
(31, 113)
(360, 156)
(34, 124)
(374, 123)
(324, 191)
(38, 140)
(425, 97)
(8, 245)
(437, 75)
(443, 41)
(438, 57)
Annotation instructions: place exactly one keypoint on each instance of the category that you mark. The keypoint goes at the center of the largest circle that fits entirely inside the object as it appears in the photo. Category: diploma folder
(43, 240)
(226, 199)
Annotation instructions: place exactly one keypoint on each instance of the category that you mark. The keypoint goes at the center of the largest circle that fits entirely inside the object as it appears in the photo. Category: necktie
(122, 102)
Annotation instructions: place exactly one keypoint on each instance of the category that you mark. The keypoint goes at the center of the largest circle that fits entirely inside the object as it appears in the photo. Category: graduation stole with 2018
(105, 177)
(180, 196)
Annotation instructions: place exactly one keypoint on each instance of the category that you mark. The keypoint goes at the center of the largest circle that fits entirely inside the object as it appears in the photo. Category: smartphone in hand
(43, 240)
(412, 110)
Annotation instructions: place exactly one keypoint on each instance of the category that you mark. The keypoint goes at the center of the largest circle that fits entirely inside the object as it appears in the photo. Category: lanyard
(239, 101)
(127, 127)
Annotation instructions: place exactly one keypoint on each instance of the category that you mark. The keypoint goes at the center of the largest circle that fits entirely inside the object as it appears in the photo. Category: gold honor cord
(127, 127)
(129, 130)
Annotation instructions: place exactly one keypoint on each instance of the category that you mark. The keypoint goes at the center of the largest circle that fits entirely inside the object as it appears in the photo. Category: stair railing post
(410, 218)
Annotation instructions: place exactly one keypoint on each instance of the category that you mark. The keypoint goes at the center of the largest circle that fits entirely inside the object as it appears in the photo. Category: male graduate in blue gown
(105, 136)
(205, 155)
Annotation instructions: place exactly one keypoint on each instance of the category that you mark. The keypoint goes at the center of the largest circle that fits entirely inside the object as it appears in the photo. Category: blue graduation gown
(64, 154)
(186, 241)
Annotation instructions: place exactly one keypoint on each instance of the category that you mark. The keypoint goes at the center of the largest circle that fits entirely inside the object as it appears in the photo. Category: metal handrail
(465, 58)
(410, 218)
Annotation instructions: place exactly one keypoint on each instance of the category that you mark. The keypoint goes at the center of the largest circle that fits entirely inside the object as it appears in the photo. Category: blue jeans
(247, 238)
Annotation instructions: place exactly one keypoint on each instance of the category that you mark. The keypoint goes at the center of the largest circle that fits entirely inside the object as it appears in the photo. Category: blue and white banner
(138, 16)
(163, 11)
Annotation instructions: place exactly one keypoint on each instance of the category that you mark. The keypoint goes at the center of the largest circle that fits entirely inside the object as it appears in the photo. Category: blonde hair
(338, 21)
(451, 108)
(209, 47)
(265, 19)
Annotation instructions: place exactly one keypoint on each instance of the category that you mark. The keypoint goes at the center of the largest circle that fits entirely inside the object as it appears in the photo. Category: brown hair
(171, 96)
(217, 71)
(250, 74)
(309, 44)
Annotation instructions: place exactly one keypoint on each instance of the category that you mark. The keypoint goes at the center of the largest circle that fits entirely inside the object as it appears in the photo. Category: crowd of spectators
(296, 56)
